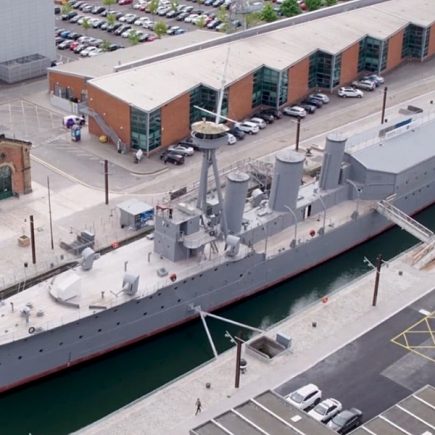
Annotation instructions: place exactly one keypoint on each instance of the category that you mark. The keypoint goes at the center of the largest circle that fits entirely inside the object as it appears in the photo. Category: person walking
(198, 406)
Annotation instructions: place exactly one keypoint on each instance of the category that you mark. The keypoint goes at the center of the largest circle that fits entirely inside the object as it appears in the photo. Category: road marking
(423, 401)
(251, 423)
(415, 416)
(394, 425)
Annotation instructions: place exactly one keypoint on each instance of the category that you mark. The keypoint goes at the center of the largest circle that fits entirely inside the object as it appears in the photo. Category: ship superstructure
(231, 239)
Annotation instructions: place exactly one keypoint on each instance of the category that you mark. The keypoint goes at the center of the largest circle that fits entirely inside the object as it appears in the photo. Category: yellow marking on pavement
(424, 327)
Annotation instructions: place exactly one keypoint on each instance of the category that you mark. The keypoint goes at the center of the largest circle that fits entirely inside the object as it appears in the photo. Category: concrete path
(346, 315)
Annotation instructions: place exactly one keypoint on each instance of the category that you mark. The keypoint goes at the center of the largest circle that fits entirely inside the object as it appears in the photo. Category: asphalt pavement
(372, 373)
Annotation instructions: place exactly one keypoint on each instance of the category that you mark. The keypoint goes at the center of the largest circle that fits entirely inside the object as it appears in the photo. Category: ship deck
(138, 258)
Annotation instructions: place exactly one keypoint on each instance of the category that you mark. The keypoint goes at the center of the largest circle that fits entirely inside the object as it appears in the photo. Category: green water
(73, 399)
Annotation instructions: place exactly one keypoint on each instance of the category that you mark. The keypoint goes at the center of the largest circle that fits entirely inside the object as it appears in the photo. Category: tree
(153, 6)
(329, 2)
(174, 4)
(313, 5)
(111, 19)
(109, 3)
(86, 24)
(252, 19)
(133, 37)
(105, 45)
(201, 22)
(160, 28)
(268, 14)
(222, 15)
(66, 8)
(289, 8)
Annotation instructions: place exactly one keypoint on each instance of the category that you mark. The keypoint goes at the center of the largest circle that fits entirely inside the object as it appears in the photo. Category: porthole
(41, 350)
(159, 294)
(162, 307)
(20, 357)
(61, 343)
(145, 313)
(80, 337)
(118, 323)
(178, 300)
(95, 317)
(99, 330)
(215, 269)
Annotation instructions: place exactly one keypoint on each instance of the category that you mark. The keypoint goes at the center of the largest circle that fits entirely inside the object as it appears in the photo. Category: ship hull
(42, 354)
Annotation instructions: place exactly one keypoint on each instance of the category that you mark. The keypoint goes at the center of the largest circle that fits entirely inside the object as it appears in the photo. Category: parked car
(313, 101)
(309, 108)
(326, 410)
(248, 127)
(65, 44)
(239, 134)
(322, 97)
(305, 397)
(184, 150)
(367, 85)
(87, 51)
(346, 421)
(259, 121)
(296, 111)
(171, 157)
(231, 139)
(378, 80)
(70, 120)
(277, 114)
(267, 117)
(125, 2)
(347, 92)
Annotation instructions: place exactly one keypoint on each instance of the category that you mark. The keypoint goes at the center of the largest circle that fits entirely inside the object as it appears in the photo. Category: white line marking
(251, 423)
(423, 401)
(221, 427)
(424, 312)
(395, 425)
(415, 416)
(368, 430)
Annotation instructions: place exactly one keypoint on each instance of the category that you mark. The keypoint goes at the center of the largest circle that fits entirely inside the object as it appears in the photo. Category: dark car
(171, 157)
(112, 27)
(345, 421)
(310, 108)
(239, 134)
(57, 10)
(114, 47)
(313, 101)
(268, 117)
(277, 114)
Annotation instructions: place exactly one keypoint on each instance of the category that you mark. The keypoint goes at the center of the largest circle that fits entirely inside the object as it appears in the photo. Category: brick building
(15, 171)
(153, 105)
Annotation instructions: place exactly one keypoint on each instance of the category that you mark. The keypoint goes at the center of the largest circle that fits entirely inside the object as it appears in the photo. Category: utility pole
(384, 103)
(378, 275)
(106, 180)
(32, 239)
(238, 356)
(298, 133)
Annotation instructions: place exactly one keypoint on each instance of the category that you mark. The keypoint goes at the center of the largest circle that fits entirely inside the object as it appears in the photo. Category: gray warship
(229, 240)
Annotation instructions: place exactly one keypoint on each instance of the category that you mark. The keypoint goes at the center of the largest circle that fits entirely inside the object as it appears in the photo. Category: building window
(203, 97)
(415, 42)
(140, 122)
(324, 70)
(265, 89)
(373, 55)
(283, 87)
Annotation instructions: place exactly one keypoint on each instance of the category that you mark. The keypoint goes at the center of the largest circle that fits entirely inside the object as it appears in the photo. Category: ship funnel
(332, 159)
(289, 168)
(234, 203)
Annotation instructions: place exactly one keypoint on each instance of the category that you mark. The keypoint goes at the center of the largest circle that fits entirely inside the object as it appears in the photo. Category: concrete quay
(345, 316)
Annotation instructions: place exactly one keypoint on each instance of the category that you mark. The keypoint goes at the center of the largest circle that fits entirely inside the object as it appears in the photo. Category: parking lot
(373, 373)
(66, 54)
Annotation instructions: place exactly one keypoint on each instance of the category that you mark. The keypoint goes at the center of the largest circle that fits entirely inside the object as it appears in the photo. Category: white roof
(149, 87)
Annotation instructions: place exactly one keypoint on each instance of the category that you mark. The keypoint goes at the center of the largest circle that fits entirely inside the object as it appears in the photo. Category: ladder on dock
(404, 221)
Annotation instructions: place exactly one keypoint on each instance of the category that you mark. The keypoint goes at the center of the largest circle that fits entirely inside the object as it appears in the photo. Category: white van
(70, 120)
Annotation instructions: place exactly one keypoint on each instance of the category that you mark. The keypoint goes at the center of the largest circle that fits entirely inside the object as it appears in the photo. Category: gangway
(404, 221)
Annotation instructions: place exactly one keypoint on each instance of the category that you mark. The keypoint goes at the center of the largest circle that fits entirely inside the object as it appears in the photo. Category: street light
(358, 191)
(295, 221)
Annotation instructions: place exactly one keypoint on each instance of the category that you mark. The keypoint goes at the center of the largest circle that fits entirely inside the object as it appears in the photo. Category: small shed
(135, 214)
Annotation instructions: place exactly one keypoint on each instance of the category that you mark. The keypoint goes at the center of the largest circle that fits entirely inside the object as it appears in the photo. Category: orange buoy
(312, 233)
(173, 277)
(325, 299)
(115, 245)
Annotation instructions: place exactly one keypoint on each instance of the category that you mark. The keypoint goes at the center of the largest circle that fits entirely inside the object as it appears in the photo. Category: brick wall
(395, 50)
(431, 51)
(240, 98)
(76, 84)
(16, 155)
(175, 120)
(349, 64)
(298, 81)
(115, 112)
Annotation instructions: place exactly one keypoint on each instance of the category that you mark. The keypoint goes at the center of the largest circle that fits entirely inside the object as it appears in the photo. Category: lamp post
(295, 220)
(358, 192)
(384, 103)
(378, 266)
(298, 133)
